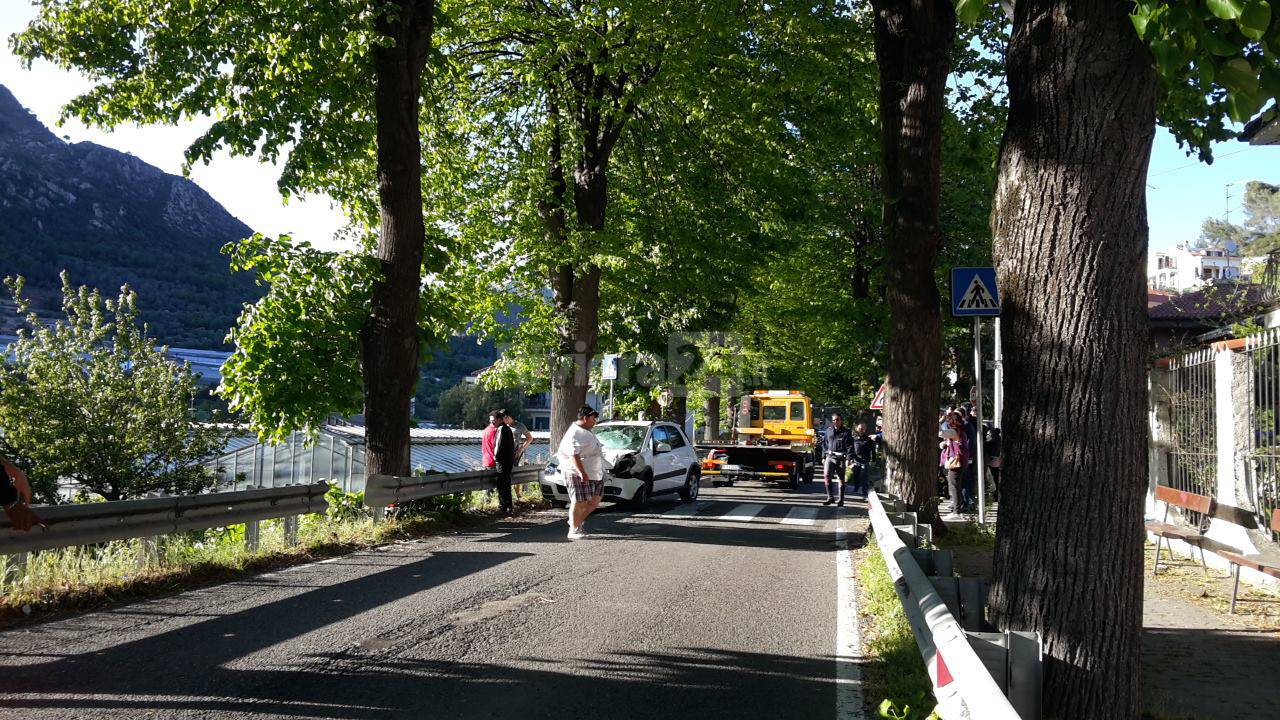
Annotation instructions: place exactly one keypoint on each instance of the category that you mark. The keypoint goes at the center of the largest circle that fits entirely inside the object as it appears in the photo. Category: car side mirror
(662, 447)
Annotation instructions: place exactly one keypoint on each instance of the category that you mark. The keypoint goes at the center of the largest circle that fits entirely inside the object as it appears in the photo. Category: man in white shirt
(581, 459)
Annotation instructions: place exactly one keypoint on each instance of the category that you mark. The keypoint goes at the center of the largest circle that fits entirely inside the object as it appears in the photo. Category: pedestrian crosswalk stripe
(801, 516)
(745, 512)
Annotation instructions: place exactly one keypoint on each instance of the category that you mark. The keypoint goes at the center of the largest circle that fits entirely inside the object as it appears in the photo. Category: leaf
(1243, 106)
(1168, 57)
(1238, 76)
(969, 11)
(1218, 45)
(1270, 81)
(1255, 19)
(1226, 9)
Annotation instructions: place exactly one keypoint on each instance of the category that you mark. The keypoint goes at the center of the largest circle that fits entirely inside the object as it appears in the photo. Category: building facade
(1183, 268)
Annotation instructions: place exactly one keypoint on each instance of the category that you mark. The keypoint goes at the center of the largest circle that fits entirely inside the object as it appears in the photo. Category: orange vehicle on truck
(772, 439)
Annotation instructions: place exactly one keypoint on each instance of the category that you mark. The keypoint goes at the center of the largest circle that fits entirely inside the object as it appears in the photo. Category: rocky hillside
(109, 219)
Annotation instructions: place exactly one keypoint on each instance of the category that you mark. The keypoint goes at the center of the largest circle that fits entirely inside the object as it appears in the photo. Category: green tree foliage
(467, 405)
(1260, 232)
(297, 356)
(1218, 63)
(334, 90)
(91, 399)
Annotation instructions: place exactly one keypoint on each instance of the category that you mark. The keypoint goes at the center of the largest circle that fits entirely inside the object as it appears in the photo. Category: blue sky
(1181, 191)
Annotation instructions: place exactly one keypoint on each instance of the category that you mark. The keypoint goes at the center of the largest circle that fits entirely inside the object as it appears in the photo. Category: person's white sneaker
(576, 534)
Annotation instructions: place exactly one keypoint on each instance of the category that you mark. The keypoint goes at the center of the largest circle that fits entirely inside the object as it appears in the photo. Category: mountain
(109, 218)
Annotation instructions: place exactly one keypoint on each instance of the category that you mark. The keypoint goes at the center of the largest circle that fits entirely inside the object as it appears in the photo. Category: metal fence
(1263, 457)
(1193, 435)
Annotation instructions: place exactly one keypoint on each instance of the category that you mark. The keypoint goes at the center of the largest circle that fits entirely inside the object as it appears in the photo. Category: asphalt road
(726, 608)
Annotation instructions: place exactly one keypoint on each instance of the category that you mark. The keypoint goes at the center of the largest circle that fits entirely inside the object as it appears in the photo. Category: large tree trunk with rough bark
(1071, 238)
(577, 301)
(711, 409)
(389, 338)
(913, 46)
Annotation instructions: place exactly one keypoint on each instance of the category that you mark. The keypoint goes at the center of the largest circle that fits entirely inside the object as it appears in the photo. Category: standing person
(15, 496)
(969, 480)
(504, 458)
(862, 452)
(582, 461)
(991, 448)
(837, 442)
(487, 439)
(519, 433)
(954, 458)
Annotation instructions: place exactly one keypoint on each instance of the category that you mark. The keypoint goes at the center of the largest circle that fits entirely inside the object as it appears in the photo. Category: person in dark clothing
(504, 458)
(15, 495)
(862, 453)
(969, 477)
(991, 449)
(838, 443)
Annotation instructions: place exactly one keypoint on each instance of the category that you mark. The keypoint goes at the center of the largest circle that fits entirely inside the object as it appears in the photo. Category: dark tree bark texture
(1070, 244)
(389, 338)
(913, 45)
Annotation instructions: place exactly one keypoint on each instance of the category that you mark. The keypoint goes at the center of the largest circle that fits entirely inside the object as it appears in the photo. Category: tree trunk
(1070, 228)
(577, 299)
(389, 338)
(711, 410)
(913, 46)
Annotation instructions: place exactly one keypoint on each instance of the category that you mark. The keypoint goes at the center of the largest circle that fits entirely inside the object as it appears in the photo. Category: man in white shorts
(582, 461)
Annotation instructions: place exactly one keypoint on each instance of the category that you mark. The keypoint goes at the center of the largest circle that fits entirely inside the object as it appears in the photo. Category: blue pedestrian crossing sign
(974, 292)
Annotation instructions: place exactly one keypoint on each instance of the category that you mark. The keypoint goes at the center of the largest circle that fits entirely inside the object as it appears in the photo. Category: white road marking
(801, 516)
(849, 702)
(745, 512)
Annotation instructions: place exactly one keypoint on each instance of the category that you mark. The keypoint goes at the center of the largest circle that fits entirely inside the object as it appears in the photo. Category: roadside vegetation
(895, 680)
(89, 576)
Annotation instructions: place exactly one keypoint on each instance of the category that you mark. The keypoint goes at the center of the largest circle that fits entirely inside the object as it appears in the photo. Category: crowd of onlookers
(958, 462)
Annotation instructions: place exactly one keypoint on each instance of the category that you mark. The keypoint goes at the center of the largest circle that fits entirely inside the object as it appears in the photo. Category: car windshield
(621, 437)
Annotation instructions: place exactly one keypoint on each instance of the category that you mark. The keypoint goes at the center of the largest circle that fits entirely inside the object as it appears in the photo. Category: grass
(86, 577)
(970, 534)
(895, 680)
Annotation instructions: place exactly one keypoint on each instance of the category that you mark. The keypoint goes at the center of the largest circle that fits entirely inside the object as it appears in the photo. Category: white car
(642, 460)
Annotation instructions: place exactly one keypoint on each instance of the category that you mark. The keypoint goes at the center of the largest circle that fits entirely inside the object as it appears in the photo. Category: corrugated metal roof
(440, 457)
(426, 436)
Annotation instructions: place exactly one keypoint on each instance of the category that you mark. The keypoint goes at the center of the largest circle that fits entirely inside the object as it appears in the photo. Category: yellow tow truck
(772, 439)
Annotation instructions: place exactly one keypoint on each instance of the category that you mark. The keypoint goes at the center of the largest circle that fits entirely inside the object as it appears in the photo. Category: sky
(1181, 191)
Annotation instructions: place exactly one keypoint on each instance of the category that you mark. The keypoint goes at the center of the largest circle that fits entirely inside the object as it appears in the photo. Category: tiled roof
(1216, 303)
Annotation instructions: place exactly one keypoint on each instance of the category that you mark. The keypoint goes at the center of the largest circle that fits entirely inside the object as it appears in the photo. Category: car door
(664, 470)
(686, 456)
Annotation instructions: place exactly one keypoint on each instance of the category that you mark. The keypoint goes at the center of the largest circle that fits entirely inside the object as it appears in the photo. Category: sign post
(974, 294)
(609, 371)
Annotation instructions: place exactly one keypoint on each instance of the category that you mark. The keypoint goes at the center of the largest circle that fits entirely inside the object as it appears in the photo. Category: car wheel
(793, 480)
(640, 501)
(692, 484)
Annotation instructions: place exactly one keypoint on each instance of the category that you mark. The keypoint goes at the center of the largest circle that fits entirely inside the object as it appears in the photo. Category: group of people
(958, 441)
(847, 457)
(502, 445)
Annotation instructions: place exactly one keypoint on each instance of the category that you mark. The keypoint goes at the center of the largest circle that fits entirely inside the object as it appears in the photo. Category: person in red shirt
(488, 438)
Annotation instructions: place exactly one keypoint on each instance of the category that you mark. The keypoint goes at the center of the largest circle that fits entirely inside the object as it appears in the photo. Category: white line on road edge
(849, 701)
(801, 516)
(742, 513)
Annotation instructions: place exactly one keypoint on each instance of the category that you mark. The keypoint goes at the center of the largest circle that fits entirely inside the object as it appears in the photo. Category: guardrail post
(291, 530)
(251, 533)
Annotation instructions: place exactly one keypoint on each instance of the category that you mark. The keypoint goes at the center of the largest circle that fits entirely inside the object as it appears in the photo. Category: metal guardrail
(960, 663)
(383, 490)
(68, 525)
